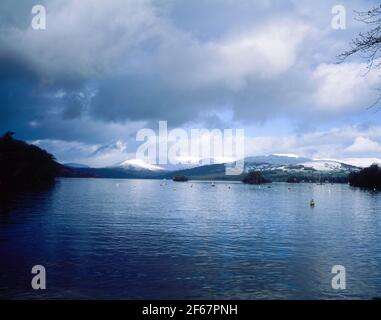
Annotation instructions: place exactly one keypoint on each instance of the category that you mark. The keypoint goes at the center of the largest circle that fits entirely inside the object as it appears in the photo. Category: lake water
(138, 239)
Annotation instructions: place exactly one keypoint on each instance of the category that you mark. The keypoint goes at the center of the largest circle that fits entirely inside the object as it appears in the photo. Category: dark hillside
(23, 165)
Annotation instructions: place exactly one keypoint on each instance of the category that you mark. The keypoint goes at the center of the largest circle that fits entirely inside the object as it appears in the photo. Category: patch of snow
(323, 165)
(289, 155)
(139, 164)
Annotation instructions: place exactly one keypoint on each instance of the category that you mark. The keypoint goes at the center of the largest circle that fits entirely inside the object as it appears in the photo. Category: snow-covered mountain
(323, 165)
(139, 165)
(294, 163)
(283, 162)
(190, 163)
(276, 159)
(277, 167)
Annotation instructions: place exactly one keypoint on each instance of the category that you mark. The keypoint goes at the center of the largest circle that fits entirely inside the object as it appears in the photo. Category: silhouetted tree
(9, 135)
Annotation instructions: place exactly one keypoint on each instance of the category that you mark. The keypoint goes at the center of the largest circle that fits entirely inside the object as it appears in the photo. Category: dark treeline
(23, 165)
(369, 178)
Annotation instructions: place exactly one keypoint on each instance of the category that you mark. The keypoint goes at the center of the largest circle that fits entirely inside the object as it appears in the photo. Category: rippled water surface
(141, 239)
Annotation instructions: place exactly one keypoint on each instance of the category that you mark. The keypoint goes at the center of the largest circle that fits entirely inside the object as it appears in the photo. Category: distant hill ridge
(25, 165)
(275, 167)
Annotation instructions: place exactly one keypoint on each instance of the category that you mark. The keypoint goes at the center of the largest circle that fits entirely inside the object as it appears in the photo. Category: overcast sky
(104, 69)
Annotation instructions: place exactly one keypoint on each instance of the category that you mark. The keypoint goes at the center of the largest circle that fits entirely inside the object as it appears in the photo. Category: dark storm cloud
(149, 98)
(20, 102)
(172, 60)
(26, 102)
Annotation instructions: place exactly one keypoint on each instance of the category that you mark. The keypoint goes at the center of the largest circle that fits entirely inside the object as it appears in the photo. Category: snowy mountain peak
(139, 164)
(287, 155)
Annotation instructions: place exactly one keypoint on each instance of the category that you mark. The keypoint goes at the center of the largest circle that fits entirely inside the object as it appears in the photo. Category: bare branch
(367, 45)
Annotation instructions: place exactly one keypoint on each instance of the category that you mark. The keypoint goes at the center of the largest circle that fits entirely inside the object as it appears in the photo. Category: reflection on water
(132, 239)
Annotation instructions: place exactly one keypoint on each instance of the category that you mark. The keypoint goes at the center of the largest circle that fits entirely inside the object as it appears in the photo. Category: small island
(255, 177)
(180, 179)
(368, 178)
